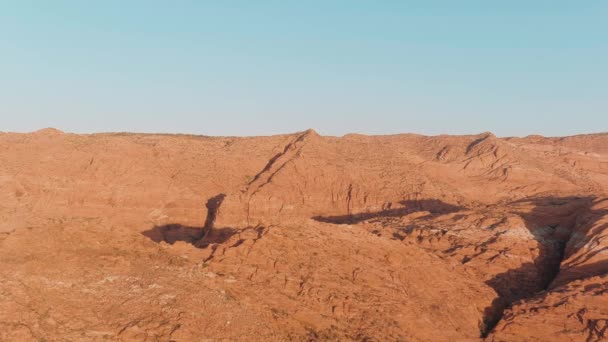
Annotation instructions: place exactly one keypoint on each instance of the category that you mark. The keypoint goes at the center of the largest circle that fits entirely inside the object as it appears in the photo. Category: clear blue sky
(261, 67)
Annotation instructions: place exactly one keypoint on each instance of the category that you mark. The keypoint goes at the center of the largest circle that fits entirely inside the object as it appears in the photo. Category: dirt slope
(135, 237)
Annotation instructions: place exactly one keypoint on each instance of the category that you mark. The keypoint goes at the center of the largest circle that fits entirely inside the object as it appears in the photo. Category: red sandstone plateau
(143, 237)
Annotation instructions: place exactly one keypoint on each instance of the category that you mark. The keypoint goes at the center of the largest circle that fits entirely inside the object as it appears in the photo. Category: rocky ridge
(124, 236)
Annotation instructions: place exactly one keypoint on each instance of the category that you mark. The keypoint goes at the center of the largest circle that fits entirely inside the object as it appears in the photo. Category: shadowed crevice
(552, 222)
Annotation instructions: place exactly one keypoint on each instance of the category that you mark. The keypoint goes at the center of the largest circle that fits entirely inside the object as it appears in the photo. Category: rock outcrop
(303, 237)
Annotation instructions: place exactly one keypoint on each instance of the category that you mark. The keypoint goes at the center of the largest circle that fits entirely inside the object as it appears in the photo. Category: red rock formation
(305, 237)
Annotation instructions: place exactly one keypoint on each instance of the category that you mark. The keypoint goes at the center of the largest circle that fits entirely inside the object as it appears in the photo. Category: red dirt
(303, 237)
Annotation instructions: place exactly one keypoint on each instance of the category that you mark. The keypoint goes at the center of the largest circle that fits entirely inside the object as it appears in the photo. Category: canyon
(158, 237)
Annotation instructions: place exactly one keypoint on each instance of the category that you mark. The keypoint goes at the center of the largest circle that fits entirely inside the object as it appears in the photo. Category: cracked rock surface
(141, 237)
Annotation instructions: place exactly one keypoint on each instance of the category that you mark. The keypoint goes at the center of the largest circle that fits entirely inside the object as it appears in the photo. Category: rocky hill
(124, 237)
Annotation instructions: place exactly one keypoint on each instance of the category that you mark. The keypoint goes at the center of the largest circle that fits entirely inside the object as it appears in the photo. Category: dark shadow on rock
(595, 269)
(551, 222)
(213, 206)
(475, 142)
(199, 237)
(172, 233)
(434, 206)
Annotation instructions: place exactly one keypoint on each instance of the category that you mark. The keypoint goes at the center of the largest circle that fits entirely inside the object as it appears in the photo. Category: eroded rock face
(575, 304)
(303, 237)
